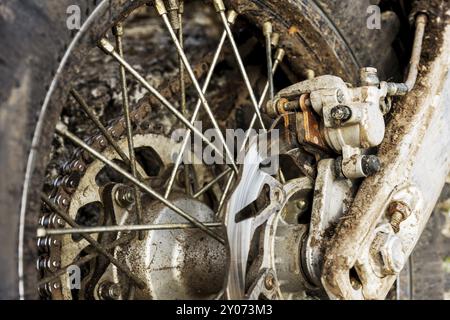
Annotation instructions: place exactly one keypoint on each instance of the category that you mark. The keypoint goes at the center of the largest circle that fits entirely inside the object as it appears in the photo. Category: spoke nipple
(232, 16)
(61, 128)
(279, 55)
(118, 30)
(160, 7)
(275, 40)
(181, 7)
(219, 5)
(106, 46)
(267, 29)
(41, 232)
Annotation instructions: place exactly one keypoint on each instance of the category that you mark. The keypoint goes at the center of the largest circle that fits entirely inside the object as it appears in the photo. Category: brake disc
(261, 213)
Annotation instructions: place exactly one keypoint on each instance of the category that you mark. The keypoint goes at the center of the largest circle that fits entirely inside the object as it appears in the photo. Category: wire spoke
(82, 103)
(220, 8)
(109, 49)
(279, 56)
(159, 5)
(62, 130)
(212, 183)
(225, 192)
(231, 18)
(118, 32)
(179, 13)
(97, 246)
(121, 228)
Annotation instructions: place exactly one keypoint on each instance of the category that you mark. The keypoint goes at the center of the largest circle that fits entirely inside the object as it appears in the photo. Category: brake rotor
(261, 216)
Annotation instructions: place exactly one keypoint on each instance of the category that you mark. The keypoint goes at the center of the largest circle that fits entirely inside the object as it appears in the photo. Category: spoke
(97, 246)
(62, 130)
(180, 60)
(231, 19)
(99, 125)
(225, 192)
(118, 32)
(42, 232)
(268, 35)
(279, 56)
(109, 49)
(179, 25)
(213, 182)
(79, 262)
(159, 5)
(220, 7)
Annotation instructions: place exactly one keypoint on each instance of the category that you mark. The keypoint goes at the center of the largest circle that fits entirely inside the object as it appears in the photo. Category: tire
(34, 59)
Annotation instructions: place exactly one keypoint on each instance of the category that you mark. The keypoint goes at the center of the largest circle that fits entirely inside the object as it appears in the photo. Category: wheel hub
(175, 264)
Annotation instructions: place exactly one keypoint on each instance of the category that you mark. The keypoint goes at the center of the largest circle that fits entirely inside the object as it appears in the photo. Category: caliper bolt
(398, 211)
(269, 281)
(109, 291)
(124, 196)
(370, 164)
(341, 113)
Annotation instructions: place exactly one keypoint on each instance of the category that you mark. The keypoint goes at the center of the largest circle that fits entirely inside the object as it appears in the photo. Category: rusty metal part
(313, 135)
(398, 211)
(91, 241)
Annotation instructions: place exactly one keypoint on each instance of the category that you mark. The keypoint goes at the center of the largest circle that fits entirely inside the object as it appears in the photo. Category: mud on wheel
(106, 187)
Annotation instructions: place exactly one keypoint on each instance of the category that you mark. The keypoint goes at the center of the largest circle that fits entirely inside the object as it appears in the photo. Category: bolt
(398, 211)
(124, 196)
(109, 291)
(392, 254)
(370, 165)
(369, 77)
(269, 281)
(341, 113)
(301, 205)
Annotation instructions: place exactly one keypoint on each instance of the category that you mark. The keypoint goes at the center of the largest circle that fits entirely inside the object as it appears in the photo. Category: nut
(124, 196)
(269, 281)
(109, 291)
(398, 211)
(392, 254)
